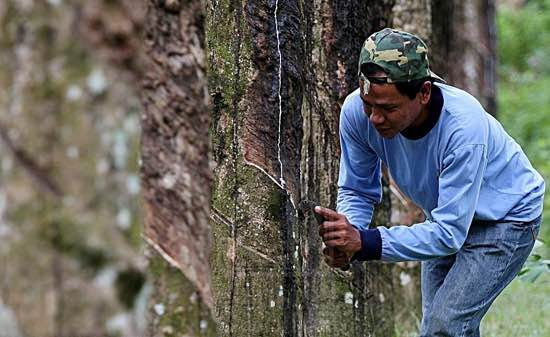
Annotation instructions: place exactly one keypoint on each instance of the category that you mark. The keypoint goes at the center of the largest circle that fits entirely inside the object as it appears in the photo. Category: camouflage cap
(403, 56)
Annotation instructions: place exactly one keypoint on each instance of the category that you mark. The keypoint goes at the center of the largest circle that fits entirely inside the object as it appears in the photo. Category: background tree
(69, 214)
(175, 170)
(464, 33)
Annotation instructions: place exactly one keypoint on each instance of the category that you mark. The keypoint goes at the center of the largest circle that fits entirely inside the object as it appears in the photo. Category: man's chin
(388, 134)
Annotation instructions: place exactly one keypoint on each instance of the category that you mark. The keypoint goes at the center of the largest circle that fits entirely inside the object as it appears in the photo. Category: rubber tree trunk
(278, 74)
(176, 177)
(464, 36)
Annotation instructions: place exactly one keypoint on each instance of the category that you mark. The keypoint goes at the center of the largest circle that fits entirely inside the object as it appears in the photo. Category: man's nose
(376, 117)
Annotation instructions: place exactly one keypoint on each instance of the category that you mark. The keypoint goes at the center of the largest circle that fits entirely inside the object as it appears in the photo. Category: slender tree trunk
(175, 169)
(464, 41)
(256, 59)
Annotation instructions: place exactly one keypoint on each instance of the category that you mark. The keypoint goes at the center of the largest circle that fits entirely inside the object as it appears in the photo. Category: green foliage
(524, 38)
(524, 103)
(535, 266)
(521, 310)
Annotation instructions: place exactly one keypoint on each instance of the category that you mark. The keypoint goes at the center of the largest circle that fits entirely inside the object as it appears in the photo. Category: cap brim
(437, 77)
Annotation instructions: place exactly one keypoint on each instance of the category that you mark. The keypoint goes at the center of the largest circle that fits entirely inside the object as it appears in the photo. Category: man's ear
(425, 92)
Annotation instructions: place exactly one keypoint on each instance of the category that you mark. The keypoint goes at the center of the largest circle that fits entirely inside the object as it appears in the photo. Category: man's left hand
(337, 233)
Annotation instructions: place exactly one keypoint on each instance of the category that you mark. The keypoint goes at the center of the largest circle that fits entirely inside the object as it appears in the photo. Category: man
(481, 196)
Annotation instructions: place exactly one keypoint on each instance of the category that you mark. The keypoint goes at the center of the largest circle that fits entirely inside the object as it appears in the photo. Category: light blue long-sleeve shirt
(466, 167)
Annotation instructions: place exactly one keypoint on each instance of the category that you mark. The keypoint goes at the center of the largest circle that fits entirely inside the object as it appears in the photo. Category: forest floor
(521, 310)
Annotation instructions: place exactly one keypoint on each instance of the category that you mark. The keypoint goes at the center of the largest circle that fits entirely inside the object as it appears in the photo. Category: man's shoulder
(352, 100)
(464, 121)
(352, 108)
(462, 109)
(461, 104)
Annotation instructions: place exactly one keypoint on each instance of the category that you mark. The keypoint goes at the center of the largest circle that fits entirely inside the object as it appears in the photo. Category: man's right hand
(338, 234)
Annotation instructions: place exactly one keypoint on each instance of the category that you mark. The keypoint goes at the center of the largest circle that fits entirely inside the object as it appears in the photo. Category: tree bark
(114, 29)
(175, 171)
(464, 47)
(255, 64)
(278, 77)
(413, 16)
(331, 75)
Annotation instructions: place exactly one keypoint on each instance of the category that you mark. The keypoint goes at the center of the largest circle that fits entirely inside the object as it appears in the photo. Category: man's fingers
(330, 226)
(327, 213)
(336, 264)
(333, 253)
(334, 243)
(335, 235)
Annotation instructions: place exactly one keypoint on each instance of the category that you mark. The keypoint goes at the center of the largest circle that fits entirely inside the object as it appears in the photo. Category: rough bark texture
(257, 92)
(339, 28)
(176, 307)
(175, 171)
(464, 45)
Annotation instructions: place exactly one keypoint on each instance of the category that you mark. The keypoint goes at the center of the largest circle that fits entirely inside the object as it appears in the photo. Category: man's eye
(367, 105)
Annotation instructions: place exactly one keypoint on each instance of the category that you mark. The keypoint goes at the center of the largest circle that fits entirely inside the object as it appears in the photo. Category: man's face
(389, 111)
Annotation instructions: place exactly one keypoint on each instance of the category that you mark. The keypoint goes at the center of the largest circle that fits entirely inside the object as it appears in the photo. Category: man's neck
(428, 117)
(424, 113)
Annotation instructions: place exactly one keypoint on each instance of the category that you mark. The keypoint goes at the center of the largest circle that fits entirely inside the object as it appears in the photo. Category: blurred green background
(524, 110)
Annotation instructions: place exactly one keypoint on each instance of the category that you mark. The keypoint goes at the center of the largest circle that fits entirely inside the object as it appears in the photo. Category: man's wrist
(356, 245)
(371, 245)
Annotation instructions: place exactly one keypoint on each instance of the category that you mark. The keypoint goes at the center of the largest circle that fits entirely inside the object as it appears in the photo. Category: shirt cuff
(371, 245)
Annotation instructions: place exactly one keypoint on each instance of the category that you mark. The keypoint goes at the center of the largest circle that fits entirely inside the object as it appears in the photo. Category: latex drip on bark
(275, 87)
(281, 179)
